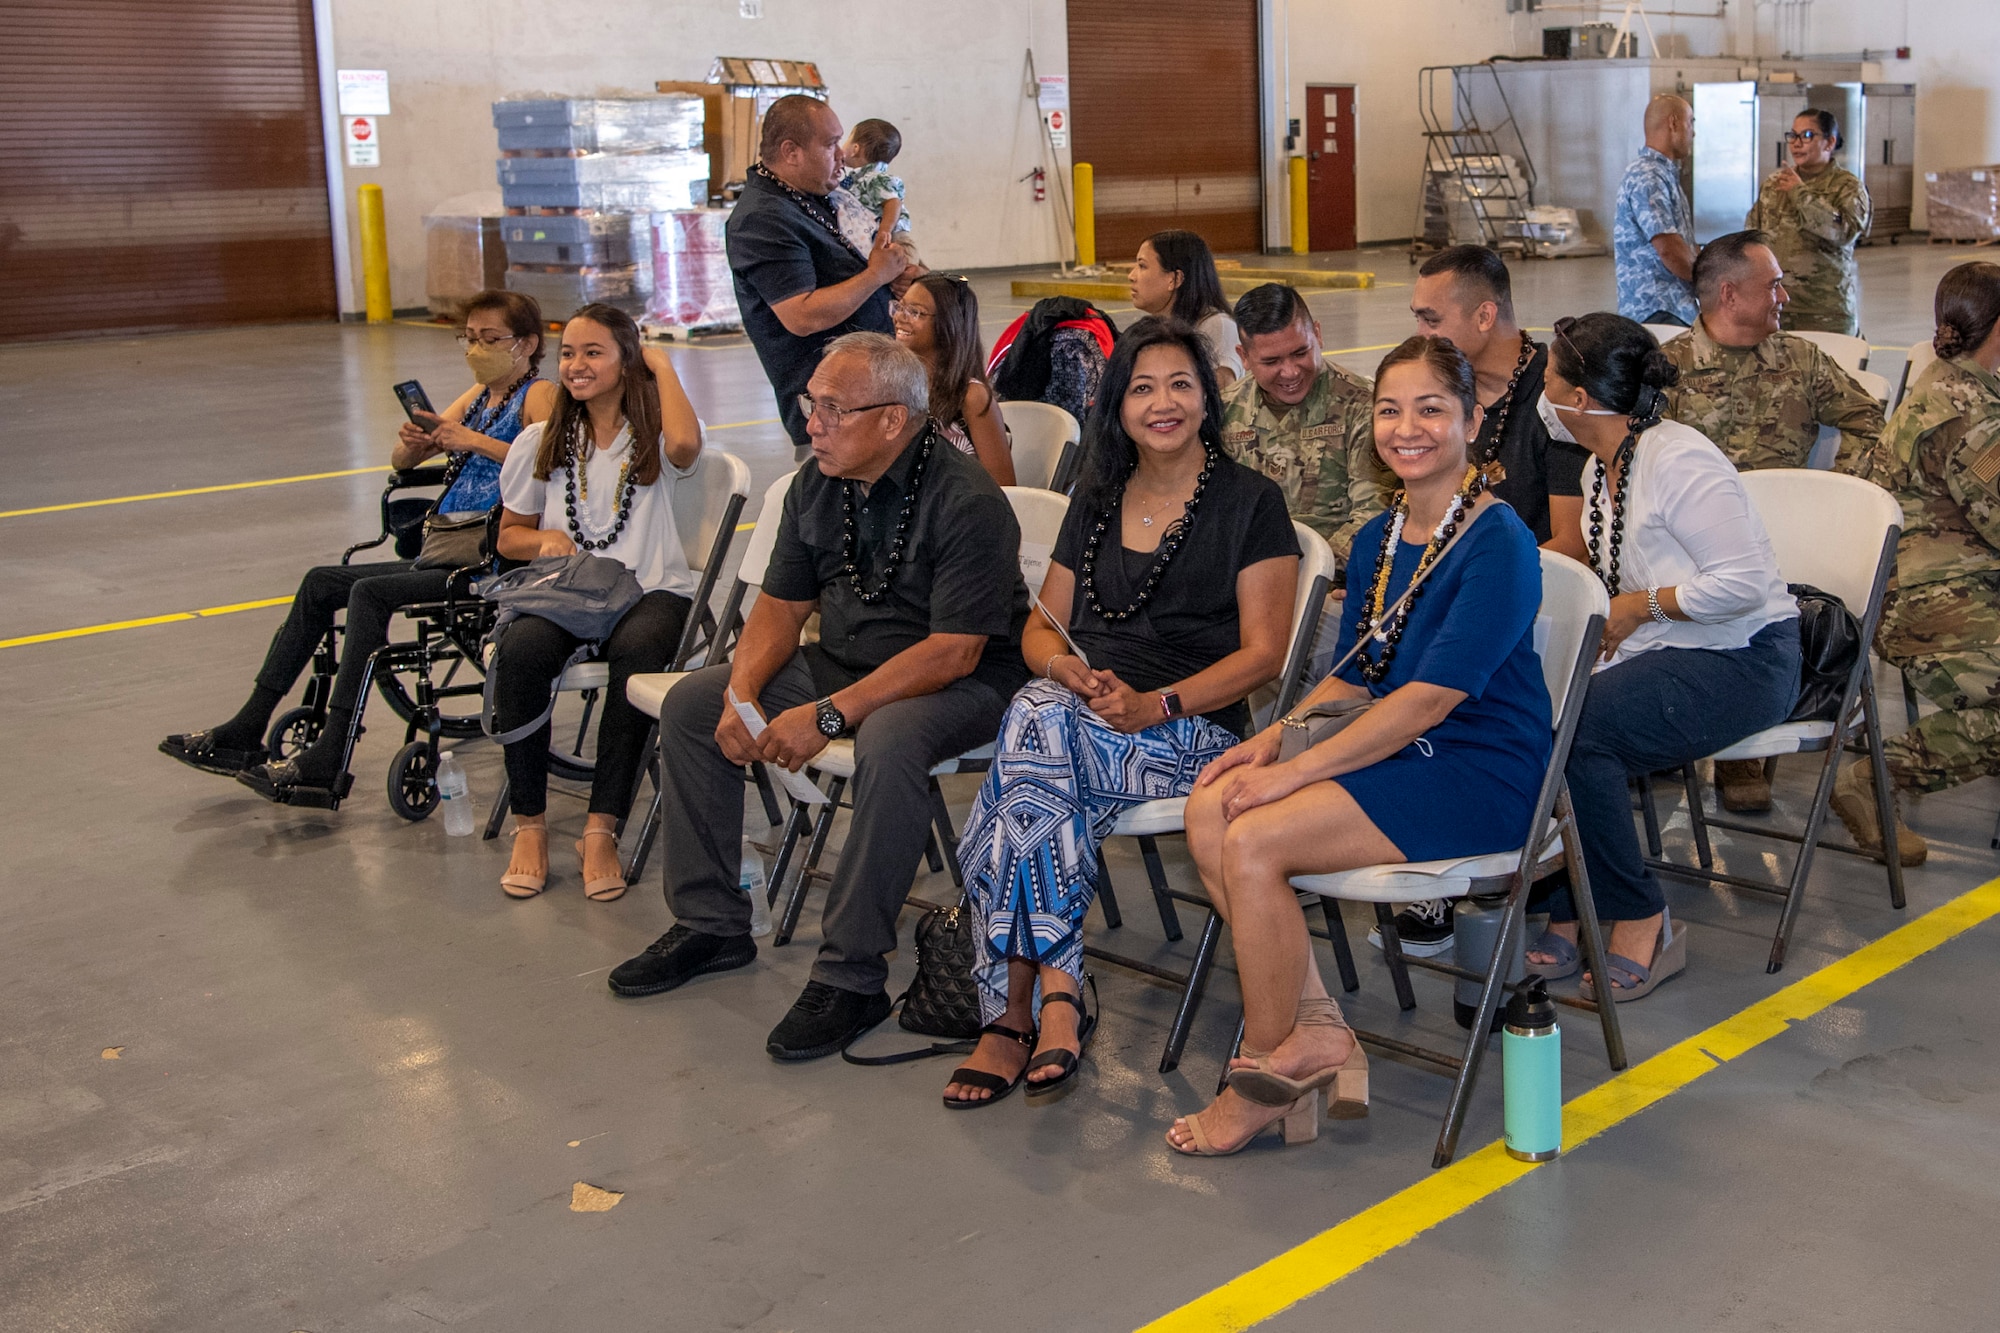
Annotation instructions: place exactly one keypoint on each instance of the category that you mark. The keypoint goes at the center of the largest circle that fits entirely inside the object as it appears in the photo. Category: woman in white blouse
(1174, 277)
(595, 477)
(1702, 646)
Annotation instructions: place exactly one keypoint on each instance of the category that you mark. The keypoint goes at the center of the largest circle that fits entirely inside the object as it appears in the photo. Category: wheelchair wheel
(413, 792)
(294, 731)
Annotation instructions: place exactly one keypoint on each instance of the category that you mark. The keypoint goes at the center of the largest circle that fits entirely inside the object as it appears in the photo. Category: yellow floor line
(85, 631)
(1317, 1264)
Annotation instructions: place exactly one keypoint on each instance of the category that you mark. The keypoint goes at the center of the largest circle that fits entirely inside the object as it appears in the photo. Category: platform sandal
(1066, 1061)
(516, 885)
(979, 1078)
(605, 888)
(1347, 1081)
(1631, 980)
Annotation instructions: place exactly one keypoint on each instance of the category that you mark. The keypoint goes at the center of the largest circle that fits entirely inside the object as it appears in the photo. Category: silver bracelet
(1050, 663)
(1654, 609)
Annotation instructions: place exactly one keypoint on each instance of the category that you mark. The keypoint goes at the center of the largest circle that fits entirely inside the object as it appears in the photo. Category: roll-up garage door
(161, 166)
(1164, 106)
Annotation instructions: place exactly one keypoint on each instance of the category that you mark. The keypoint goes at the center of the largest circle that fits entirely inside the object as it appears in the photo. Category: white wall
(948, 73)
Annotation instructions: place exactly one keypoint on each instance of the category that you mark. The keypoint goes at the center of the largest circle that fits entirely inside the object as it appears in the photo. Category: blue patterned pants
(1061, 776)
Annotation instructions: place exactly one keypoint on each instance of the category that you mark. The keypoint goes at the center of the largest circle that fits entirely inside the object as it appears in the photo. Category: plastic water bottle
(454, 796)
(751, 880)
(1531, 1053)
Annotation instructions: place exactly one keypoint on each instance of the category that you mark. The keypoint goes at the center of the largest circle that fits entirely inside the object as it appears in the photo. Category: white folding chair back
(701, 502)
(1848, 351)
(1663, 333)
(1826, 527)
(1920, 356)
(764, 537)
(1040, 513)
(1876, 385)
(1040, 432)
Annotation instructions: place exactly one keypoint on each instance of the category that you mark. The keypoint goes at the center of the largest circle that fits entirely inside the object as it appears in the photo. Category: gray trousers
(894, 750)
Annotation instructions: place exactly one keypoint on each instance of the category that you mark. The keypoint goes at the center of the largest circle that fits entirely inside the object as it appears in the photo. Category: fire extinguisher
(1041, 184)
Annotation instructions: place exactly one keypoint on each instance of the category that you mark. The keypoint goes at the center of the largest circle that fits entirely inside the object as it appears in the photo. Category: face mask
(1548, 412)
(488, 363)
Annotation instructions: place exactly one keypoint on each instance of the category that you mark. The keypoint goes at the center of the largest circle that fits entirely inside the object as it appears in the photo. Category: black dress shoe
(198, 749)
(678, 957)
(281, 783)
(823, 1020)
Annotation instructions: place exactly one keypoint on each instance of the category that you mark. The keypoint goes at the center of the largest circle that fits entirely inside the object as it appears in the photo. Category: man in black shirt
(799, 283)
(911, 554)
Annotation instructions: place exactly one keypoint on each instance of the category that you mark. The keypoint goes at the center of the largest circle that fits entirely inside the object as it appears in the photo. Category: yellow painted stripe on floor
(113, 627)
(1317, 1264)
(193, 490)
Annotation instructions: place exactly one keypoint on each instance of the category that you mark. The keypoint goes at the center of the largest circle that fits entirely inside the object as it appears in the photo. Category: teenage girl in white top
(595, 477)
(1702, 646)
(1174, 277)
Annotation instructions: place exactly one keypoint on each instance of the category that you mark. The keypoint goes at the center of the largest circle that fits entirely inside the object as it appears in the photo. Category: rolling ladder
(1470, 170)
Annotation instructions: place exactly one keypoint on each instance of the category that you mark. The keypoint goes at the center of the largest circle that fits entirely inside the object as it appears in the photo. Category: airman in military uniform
(1815, 212)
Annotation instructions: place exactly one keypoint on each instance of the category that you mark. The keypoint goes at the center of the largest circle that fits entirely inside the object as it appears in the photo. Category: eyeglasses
(832, 415)
(488, 339)
(908, 311)
(1801, 136)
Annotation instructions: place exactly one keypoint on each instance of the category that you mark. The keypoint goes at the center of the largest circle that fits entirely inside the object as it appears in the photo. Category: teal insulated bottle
(1531, 1059)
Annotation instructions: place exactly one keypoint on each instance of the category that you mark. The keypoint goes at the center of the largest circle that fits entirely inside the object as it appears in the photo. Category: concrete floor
(355, 1085)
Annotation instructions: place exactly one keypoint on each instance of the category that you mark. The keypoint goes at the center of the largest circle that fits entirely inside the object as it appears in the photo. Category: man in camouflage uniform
(1815, 212)
(1302, 421)
(1940, 456)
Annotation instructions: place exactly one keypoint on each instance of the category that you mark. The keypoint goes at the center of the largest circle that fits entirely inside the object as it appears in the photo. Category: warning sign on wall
(363, 146)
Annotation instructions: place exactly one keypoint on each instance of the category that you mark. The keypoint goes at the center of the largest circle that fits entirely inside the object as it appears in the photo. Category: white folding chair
(1664, 333)
(1837, 533)
(706, 504)
(648, 692)
(1849, 352)
(1876, 385)
(1920, 356)
(1570, 625)
(1040, 515)
(1152, 820)
(1044, 440)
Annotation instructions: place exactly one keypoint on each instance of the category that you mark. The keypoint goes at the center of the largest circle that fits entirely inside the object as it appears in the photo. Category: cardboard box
(734, 99)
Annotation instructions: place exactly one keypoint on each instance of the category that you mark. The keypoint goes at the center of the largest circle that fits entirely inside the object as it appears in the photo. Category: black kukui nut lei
(577, 457)
(1494, 429)
(806, 205)
(1623, 461)
(1170, 542)
(850, 536)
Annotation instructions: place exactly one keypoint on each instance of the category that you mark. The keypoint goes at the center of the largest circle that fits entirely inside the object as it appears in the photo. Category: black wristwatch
(830, 719)
(1170, 703)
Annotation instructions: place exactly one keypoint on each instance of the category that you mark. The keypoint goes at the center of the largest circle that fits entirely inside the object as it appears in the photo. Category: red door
(1329, 148)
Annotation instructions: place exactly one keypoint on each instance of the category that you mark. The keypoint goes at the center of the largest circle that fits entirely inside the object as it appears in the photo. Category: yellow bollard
(374, 254)
(1084, 181)
(1300, 212)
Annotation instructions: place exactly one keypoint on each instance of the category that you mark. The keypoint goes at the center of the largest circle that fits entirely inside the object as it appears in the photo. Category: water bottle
(454, 796)
(1475, 926)
(751, 881)
(1531, 1057)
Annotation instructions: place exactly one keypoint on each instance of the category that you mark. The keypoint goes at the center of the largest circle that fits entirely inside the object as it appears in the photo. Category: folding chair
(1848, 352)
(1153, 820)
(1837, 533)
(1876, 385)
(1045, 439)
(1664, 333)
(1921, 355)
(1574, 607)
(1040, 514)
(648, 692)
(706, 504)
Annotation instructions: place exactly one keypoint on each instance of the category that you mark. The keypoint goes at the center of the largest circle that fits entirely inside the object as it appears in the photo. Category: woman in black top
(1175, 574)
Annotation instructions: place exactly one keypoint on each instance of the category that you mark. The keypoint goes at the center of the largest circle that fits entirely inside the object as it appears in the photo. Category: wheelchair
(426, 680)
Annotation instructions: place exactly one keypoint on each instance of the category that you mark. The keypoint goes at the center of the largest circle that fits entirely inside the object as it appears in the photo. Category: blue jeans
(1657, 711)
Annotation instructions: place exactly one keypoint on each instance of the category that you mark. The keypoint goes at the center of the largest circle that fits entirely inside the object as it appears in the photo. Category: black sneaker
(823, 1020)
(678, 957)
(1423, 929)
(201, 749)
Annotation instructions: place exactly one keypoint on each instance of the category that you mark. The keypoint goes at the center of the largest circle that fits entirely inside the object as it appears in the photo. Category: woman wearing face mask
(1174, 277)
(938, 319)
(1447, 761)
(502, 338)
(1174, 574)
(1702, 646)
(594, 477)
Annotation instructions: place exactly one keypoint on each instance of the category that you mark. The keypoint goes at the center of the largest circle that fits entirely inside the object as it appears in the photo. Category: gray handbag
(454, 543)
(585, 594)
(1302, 729)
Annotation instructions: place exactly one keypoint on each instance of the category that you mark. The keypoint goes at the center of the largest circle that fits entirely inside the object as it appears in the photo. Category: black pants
(530, 656)
(371, 595)
(895, 748)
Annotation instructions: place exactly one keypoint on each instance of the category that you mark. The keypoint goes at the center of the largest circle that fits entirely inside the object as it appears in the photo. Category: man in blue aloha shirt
(1652, 234)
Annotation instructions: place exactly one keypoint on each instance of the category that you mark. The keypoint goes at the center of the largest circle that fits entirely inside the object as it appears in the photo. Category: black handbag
(943, 999)
(1830, 645)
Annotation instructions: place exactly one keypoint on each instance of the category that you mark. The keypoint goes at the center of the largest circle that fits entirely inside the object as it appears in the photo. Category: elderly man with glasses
(911, 555)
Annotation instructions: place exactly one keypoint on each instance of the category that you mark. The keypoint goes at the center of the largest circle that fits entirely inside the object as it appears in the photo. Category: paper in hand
(1068, 642)
(798, 784)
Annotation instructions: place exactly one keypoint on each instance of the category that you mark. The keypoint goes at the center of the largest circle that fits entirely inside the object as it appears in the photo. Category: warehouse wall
(949, 73)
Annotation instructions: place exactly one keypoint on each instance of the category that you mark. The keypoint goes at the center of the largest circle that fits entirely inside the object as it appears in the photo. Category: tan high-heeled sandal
(1347, 1081)
(605, 888)
(1299, 1124)
(517, 885)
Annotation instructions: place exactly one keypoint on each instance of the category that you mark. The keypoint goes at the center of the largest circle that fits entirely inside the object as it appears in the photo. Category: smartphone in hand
(414, 400)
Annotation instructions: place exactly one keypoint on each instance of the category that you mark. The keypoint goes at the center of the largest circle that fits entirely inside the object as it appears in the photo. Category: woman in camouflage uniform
(1940, 456)
(1815, 211)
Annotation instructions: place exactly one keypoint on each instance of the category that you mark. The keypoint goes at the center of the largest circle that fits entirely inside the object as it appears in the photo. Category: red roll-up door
(161, 166)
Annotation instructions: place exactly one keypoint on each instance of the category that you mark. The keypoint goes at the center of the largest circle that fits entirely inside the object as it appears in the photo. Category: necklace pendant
(1147, 520)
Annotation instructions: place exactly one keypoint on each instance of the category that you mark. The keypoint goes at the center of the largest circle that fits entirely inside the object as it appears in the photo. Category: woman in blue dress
(1446, 762)
(503, 348)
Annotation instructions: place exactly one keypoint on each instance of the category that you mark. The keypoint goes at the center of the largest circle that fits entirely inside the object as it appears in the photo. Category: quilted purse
(943, 999)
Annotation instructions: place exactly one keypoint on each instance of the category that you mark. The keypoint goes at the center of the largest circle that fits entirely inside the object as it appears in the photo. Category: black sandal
(198, 749)
(1086, 1024)
(278, 782)
(979, 1078)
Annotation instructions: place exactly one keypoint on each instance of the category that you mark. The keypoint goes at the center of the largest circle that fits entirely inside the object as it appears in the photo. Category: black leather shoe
(678, 957)
(197, 749)
(823, 1020)
(279, 783)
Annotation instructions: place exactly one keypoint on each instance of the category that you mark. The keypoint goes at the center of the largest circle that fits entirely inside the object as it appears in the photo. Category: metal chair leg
(1698, 817)
(767, 793)
(1652, 815)
(1476, 1040)
(1106, 899)
(498, 815)
(1235, 1049)
(944, 836)
(1156, 875)
(933, 858)
(1343, 951)
(1589, 933)
(821, 827)
(796, 828)
(649, 829)
(1392, 954)
(1204, 962)
(1795, 887)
